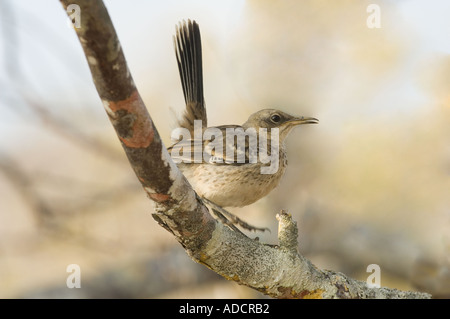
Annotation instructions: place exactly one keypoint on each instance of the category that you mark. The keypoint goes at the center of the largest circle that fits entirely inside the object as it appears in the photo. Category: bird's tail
(188, 51)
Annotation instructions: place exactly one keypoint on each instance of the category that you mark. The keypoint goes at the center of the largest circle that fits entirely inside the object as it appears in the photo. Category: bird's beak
(295, 121)
(302, 120)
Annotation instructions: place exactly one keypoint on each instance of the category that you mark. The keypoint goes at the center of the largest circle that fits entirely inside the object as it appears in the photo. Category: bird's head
(271, 118)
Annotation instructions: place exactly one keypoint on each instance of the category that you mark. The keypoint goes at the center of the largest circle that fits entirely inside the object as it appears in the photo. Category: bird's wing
(240, 147)
(188, 51)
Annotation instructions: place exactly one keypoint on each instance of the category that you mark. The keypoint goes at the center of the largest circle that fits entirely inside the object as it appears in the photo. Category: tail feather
(188, 51)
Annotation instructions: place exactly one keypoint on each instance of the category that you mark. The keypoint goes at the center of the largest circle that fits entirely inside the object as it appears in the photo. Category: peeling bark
(279, 271)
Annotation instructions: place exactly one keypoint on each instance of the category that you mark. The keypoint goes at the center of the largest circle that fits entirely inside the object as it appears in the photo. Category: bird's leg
(225, 221)
(230, 218)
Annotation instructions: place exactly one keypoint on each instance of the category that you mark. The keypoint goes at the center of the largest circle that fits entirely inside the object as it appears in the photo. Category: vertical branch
(159, 176)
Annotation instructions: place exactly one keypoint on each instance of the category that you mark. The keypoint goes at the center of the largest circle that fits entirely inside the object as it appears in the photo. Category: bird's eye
(275, 118)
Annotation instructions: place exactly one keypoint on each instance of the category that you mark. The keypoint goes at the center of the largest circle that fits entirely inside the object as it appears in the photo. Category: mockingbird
(232, 165)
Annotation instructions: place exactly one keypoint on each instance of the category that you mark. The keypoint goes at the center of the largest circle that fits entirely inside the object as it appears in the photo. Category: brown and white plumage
(224, 180)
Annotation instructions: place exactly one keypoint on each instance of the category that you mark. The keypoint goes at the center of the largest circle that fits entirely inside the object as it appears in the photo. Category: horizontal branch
(278, 271)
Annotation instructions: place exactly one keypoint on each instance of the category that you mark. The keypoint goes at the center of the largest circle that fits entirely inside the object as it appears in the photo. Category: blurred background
(369, 185)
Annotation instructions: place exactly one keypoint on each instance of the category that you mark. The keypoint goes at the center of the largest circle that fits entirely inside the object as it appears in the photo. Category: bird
(227, 165)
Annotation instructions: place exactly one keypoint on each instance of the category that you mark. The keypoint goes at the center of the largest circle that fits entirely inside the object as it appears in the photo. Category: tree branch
(278, 271)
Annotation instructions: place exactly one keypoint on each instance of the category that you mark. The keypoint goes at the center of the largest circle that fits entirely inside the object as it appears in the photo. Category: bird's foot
(231, 220)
